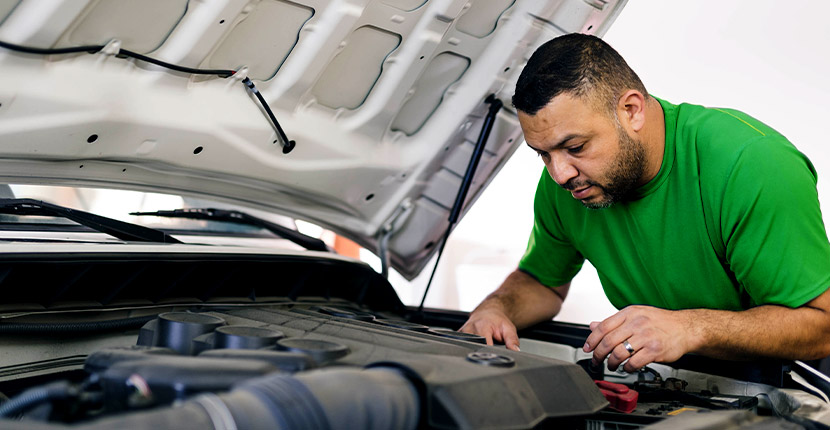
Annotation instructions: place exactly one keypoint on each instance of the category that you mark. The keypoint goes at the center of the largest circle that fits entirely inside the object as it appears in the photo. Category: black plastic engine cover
(464, 384)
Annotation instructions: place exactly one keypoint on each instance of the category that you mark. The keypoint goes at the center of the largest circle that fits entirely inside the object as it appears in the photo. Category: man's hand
(519, 302)
(493, 325)
(654, 334)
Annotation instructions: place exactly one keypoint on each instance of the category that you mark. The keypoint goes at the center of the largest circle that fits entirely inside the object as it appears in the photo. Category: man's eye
(542, 154)
(576, 149)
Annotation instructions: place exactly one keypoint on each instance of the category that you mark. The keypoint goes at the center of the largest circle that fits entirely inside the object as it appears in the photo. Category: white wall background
(768, 58)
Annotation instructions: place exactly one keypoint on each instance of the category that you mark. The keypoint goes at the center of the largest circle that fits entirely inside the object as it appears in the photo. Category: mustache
(573, 184)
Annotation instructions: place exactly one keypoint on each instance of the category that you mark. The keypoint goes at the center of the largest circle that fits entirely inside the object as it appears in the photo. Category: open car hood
(384, 98)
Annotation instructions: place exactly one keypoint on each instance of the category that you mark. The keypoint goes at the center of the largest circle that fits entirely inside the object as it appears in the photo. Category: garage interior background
(767, 58)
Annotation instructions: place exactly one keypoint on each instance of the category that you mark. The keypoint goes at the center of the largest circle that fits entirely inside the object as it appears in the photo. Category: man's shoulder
(717, 138)
(729, 152)
(726, 129)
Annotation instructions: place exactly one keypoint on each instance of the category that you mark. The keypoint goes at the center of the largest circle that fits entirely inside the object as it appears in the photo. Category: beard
(623, 175)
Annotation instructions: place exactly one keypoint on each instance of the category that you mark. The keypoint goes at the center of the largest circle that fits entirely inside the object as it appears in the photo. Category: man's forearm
(772, 331)
(525, 301)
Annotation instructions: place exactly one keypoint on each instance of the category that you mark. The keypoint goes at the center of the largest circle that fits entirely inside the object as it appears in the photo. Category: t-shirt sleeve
(774, 236)
(549, 257)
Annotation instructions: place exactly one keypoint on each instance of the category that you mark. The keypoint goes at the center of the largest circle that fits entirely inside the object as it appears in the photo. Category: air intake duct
(334, 399)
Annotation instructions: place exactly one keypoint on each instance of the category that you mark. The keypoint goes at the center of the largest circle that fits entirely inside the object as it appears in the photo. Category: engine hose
(75, 327)
(35, 397)
(336, 399)
(331, 399)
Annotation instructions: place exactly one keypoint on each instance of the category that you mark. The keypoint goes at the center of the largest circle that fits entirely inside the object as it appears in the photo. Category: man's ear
(631, 110)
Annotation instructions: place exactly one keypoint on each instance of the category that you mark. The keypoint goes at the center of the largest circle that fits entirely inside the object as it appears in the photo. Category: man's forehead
(563, 116)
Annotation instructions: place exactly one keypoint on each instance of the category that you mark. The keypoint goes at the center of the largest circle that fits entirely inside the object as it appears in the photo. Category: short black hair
(578, 64)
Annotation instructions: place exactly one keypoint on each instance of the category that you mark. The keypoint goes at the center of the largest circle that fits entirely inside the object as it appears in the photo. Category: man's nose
(561, 170)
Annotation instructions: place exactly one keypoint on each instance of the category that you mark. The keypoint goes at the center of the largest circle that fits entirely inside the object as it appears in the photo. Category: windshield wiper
(113, 227)
(237, 217)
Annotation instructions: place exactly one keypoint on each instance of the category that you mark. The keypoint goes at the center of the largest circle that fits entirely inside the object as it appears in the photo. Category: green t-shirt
(731, 221)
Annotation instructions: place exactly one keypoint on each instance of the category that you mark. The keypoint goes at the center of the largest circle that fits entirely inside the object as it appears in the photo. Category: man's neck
(653, 139)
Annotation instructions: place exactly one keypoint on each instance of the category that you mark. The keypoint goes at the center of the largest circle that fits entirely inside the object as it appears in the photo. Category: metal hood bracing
(384, 99)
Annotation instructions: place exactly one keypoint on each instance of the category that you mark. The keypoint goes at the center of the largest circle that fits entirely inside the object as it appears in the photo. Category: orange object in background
(346, 247)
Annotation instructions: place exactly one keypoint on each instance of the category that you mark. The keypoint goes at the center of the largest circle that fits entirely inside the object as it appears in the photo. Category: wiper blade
(113, 227)
(237, 217)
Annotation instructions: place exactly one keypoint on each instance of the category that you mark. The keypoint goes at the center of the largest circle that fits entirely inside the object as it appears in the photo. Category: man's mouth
(582, 192)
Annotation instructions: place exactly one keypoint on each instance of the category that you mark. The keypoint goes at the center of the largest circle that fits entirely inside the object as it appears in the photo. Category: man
(703, 224)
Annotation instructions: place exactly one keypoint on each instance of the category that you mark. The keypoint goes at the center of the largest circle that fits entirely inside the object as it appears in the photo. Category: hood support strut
(455, 212)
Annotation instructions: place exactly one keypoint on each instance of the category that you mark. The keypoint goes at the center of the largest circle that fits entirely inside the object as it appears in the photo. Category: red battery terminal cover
(620, 397)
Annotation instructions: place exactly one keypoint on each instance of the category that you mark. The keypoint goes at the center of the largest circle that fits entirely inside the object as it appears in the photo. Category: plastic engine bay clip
(622, 398)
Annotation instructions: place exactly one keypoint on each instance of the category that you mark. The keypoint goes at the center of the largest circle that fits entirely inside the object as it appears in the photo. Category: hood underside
(384, 98)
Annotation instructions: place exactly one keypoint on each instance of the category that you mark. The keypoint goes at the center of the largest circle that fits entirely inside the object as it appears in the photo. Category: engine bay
(274, 356)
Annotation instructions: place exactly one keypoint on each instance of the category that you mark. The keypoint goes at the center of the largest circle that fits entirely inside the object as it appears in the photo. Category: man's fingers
(617, 356)
(653, 335)
(599, 331)
(641, 358)
(605, 336)
(637, 362)
(506, 334)
(493, 327)
(511, 338)
(487, 332)
(489, 338)
(612, 344)
(475, 328)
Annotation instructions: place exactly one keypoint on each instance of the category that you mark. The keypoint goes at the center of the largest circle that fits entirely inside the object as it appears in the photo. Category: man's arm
(519, 302)
(664, 336)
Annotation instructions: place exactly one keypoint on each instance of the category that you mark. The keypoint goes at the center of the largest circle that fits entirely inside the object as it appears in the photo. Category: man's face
(585, 151)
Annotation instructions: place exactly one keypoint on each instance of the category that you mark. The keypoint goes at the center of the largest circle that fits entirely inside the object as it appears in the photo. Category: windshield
(118, 204)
